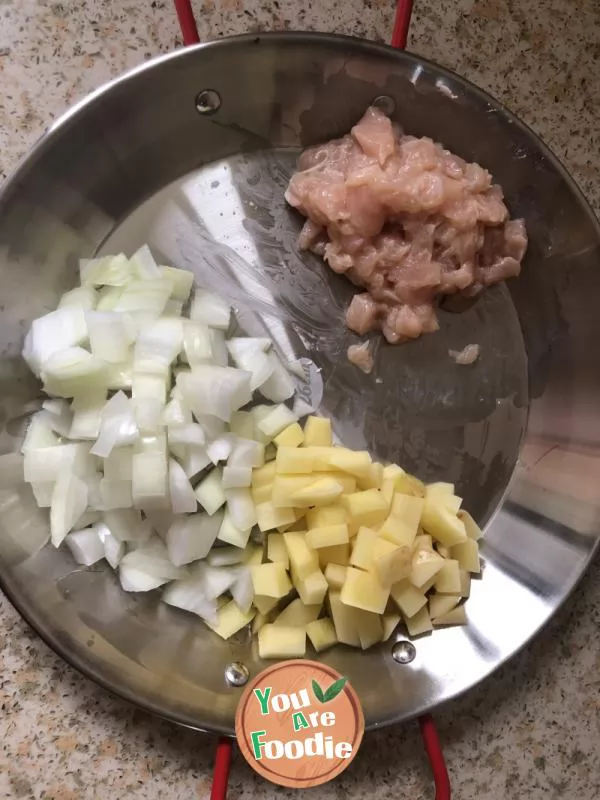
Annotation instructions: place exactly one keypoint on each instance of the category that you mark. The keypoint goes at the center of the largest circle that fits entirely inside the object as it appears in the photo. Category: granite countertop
(533, 729)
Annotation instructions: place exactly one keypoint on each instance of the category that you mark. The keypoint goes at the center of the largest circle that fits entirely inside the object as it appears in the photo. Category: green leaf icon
(335, 688)
(318, 692)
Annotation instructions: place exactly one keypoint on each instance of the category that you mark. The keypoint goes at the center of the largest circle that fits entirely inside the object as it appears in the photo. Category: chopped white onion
(105, 271)
(153, 559)
(225, 556)
(215, 580)
(73, 371)
(46, 464)
(220, 356)
(49, 335)
(231, 534)
(126, 525)
(149, 395)
(247, 453)
(143, 264)
(217, 391)
(183, 499)
(87, 415)
(118, 465)
(189, 595)
(84, 297)
(39, 434)
(145, 299)
(114, 549)
(280, 385)
(110, 335)
(86, 546)
(43, 494)
(241, 508)
(242, 589)
(69, 501)
(276, 420)
(181, 281)
(190, 538)
(117, 428)
(210, 309)
(194, 460)
(149, 474)
(236, 477)
(209, 492)
(58, 415)
(220, 449)
(197, 343)
(115, 494)
(158, 345)
(175, 413)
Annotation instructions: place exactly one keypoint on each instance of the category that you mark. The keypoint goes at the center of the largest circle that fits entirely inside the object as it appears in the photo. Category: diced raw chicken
(406, 220)
(360, 355)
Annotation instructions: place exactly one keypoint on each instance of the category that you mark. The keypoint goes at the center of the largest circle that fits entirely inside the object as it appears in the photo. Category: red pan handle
(431, 740)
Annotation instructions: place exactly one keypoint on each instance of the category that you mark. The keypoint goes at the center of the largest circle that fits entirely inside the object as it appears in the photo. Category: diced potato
(297, 614)
(373, 479)
(440, 604)
(408, 598)
(278, 641)
(278, 418)
(338, 554)
(284, 487)
(230, 620)
(302, 558)
(293, 460)
(369, 627)
(321, 456)
(335, 575)
(268, 517)
(312, 589)
(367, 508)
(392, 563)
(317, 432)
(402, 524)
(394, 472)
(253, 555)
(262, 493)
(258, 622)
(363, 549)
(298, 525)
(328, 515)
(419, 624)
(320, 493)
(292, 436)
(458, 616)
(265, 604)
(348, 481)
(231, 534)
(467, 555)
(465, 583)
(276, 549)
(363, 590)
(443, 551)
(425, 564)
(264, 475)
(448, 578)
(321, 633)
(472, 528)
(354, 462)
(442, 524)
(409, 485)
(343, 620)
(271, 580)
(327, 536)
(428, 584)
(388, 489)
(389, 623)
(422, 542)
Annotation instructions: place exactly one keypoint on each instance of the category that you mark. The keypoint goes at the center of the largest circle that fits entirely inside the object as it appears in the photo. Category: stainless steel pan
(191, 152)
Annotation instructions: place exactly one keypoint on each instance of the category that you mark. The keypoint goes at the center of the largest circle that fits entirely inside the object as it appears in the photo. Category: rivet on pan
(236, 674)
(404, 652)
(208, 101)
(385, 103)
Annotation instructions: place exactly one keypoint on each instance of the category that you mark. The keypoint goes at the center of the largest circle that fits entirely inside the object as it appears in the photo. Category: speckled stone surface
(533, 730)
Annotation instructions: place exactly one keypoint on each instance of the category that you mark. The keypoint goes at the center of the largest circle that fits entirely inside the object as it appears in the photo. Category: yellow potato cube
(253, 555)
(363, 548)
(347, 481)
(337, 554)
(428, 584)
(278, 641)
(334, 514)
(264, 475)
(425, 565)
(265, 604)
(392, 563)
(284, 487)
(465, 583)
(409, 485)
(408, 508)
(467, 555)
(442, 524)
(268, 517)
(419, 624)
(354, 462)
(448, 578)
(440, 604)
(321, 633)
(312, 589)
(293, 460)
(422, 542)
(408, 598)
(402, 524)
(276, 549)
(367, 508)
(443, 551)
(271, 580)
(388, 489)
(373, 479)
(317, 432)
(230, 620)
(335, 575)
(320, 493)
(458, 616)
(262, 494)
(297, 614)
(389, 623)
(327, 536)
(292, 436)
(471, 527)
(321, 457)
(343, 620)
(302, 558)
(369, 627)
(363, 590)
(258, 622)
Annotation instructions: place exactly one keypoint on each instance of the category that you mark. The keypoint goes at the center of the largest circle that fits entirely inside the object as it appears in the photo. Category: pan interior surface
(516, 431)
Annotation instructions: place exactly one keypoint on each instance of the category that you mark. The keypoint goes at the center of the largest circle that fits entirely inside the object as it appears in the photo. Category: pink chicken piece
(405, 220)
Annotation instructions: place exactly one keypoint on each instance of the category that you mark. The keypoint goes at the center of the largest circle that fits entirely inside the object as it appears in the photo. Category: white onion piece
(236, 477)
(149, 395)
(190, 434)
(280, 385)
(209, 492)
(220, 449)
(213, 427)
(250, 354)
(73, 371)
(87, 415)
(277, 420)
(84, 297)
(135, 580)
(69, 501)
(197, 342)
(110, 335)
(86, 546)
(183, 499)
(241, 508)
(247, 453)
(105, 271)
(119, 376)
(39, 434)
(58, 415)
(95, 499)
(117, 428)
(158, 345)
(242, 589)
(231, 534)
(181, 281)
(242, 425)
(143, 264)
(189, 596)
(59, 330)
(145, 299)
(194, 460)
(43, 494)
(115, 494)
(175, 413)
(190, 538)
(160, 521)
(217, 391)
(210, 309)
(46, 464)
(118, 465)
(215, 580)
(225, 556)
(153, 559)
(220, 356)
(149, 473)
(114, 549)
(126, 525)
(88, 518)
(108, 297)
